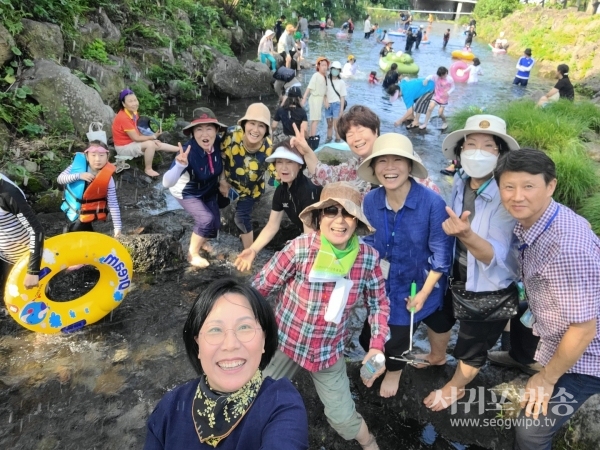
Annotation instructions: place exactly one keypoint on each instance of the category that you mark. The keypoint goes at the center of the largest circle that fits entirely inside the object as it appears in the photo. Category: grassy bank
(555, 37)
(561, 131)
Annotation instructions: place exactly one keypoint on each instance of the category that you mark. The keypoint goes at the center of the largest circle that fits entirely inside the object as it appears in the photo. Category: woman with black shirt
(295, 193)
(291, 113)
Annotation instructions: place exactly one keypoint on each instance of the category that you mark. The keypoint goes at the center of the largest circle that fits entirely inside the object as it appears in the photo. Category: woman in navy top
(412, 246)
(193, 179)
(230, 335)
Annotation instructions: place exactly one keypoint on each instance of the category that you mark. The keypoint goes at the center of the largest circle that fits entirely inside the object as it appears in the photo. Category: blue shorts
(333, 112)
(243, 213)
(521, 81)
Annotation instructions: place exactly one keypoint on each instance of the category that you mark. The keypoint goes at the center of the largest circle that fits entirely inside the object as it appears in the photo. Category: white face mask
(478, 163)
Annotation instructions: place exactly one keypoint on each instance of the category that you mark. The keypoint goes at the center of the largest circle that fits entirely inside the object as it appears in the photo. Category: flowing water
(94, 389)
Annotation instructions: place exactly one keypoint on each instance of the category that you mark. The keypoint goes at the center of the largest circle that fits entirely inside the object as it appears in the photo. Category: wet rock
(181, 15)
(593, 150)
(6, 42)
(55, 87)
(177, 88)
(41, 39)
(238, 42)
(108, 77)
(109, 32)
(227, 78)
(152, 252)
(156, 56)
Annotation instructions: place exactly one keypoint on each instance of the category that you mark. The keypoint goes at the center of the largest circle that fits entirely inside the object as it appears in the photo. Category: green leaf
(27, 90)
(20, 93)
(28, 62)
(16, 50)
(14, 64)
(10, 71)
(10, 79)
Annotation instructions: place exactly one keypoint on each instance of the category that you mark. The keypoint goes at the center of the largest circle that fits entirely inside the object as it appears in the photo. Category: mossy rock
(48, 203)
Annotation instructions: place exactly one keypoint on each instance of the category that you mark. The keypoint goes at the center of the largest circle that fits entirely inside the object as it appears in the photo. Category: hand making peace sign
(182, 157)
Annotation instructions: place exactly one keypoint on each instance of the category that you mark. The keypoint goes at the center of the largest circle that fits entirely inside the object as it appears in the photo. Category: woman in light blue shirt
(485, 251)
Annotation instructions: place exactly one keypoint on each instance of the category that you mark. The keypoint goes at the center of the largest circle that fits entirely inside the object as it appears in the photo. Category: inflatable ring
(402, 59)
(33, 310)
(497, 50)
(341, 35)
(397, 33)
(425, 42)
(459, 54)
(457, 72)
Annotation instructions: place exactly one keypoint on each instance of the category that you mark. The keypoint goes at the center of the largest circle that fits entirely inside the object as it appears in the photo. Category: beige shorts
(133, 149)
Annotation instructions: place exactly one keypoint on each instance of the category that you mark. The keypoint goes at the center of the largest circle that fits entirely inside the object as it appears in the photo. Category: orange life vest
(93, 202)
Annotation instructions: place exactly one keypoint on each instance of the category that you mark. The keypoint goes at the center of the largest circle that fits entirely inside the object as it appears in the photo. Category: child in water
(373, 78)
(90, 191)
(474, 71)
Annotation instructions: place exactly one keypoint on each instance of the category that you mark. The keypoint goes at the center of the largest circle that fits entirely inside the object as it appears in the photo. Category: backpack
(284, 74)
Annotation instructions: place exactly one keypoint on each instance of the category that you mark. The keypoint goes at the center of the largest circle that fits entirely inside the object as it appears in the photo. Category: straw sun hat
(392, 144)
(481, 123)
(344, 194)
(259, 113)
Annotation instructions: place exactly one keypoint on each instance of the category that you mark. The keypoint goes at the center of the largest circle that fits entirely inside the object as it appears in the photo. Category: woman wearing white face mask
(485, 255)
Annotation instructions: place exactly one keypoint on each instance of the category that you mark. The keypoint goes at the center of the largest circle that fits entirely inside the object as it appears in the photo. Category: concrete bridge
(444, 10)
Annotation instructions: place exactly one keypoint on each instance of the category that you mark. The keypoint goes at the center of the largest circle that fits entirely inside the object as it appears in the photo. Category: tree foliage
(494, 8)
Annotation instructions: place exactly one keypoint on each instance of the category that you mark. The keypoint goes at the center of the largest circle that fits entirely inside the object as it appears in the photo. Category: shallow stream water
(95, 389)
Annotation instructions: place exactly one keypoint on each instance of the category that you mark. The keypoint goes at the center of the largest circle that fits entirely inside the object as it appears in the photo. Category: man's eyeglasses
(332, 212)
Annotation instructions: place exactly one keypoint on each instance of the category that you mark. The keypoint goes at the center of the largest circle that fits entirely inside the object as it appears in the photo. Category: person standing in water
(446, 38)
(524, 66)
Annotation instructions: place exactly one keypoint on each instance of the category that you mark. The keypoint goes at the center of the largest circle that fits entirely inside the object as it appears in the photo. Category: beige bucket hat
(258, 112)
(481, 123)
(392, 144)
(344, 194)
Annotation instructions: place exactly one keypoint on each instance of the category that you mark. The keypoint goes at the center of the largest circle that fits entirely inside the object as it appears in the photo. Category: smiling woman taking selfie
(230, 335)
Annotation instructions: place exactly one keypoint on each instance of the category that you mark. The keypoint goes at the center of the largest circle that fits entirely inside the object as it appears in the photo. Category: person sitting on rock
(127, 138)
(21, 234)
(563, 89)
(245, 150)
(285, 44)
(295, 193)
(193, 179)
(265, 49)
(90, 192)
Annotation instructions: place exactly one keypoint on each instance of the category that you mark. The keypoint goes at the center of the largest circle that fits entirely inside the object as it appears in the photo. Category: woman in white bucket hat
(485, 253)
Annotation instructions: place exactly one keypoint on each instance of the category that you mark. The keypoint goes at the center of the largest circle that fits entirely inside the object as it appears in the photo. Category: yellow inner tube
(36, 312)
(463, 55)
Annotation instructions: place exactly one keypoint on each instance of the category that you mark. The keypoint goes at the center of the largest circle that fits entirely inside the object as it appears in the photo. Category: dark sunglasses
(332, 212)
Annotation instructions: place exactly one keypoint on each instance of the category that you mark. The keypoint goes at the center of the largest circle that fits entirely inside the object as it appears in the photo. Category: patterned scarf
(332, 264)
(216, 415)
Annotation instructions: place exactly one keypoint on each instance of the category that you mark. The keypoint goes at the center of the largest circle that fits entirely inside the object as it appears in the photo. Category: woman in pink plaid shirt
(322, 276)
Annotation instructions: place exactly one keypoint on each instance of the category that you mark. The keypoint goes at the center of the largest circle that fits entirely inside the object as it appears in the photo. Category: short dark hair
(394, 66)
(391, 90)
(476, 62)
(204, 305)
(563, 69)
(358, 115)
(99, 144)
(501, 143)
(442, 71)
(527, 160)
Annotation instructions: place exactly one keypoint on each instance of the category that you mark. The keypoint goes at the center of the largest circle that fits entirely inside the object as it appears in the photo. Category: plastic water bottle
(371, 366)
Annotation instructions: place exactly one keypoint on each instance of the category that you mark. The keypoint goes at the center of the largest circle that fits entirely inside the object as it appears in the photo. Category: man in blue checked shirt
(560, 268)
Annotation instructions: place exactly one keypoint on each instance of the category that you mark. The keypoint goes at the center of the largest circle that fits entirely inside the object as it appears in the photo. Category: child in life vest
(90, 189)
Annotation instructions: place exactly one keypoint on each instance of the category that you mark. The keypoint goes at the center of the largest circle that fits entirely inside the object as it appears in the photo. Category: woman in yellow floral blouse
(245, 150)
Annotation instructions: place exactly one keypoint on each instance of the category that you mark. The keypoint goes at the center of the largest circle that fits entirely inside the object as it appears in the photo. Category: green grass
(590, 209)
(559, 131)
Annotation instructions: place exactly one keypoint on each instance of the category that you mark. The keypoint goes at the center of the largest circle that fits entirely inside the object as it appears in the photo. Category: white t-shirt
(474, 72)
(349, 69)
(367, 26)
(332, 97)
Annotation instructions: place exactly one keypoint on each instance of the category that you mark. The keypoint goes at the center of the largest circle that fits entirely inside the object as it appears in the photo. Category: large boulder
(55, 87)
(6, 42)
(41, 39)
(109, 31)
(108, 77)
(228, 78)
